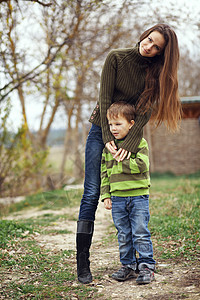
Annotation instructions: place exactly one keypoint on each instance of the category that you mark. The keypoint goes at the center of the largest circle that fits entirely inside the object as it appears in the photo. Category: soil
(173, 279)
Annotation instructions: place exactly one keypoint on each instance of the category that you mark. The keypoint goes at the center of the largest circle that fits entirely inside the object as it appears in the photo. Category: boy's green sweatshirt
(127, 178)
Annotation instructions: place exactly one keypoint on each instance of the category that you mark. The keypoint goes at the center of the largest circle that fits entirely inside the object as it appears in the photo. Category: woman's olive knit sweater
(122, 79)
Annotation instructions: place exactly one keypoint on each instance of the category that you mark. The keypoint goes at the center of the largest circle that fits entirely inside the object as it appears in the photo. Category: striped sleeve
(140, 164)
(105, 183)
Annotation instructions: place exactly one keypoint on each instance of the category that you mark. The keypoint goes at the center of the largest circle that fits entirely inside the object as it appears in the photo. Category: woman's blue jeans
(93, 152)
(131, 217)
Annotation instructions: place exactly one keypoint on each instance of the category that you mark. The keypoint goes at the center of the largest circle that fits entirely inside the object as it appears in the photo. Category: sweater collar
(117, 142)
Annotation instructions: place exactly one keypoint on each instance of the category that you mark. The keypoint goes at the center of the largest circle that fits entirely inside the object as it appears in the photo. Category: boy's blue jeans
(131, 217)
(93, 153)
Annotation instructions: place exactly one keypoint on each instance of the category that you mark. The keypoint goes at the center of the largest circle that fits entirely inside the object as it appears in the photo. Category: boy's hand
(108, 203)
(111, 147)
(121, 154)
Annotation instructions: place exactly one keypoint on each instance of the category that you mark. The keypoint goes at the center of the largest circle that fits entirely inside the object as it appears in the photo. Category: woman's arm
(107, 87)
(135, 135)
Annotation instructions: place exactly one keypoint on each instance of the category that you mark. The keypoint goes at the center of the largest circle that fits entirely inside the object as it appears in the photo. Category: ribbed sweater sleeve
(135, 135)
(107, 87)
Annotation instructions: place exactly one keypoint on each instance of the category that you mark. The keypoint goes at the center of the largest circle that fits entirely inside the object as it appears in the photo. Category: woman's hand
(121, 154)
(107, 203)
(111, 147)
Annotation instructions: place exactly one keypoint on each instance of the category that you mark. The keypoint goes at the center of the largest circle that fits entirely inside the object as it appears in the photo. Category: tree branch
(40, 2)
(35, 1)
(31, 74)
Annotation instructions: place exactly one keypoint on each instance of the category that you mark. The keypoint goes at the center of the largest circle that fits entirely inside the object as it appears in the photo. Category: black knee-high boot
(83, 242)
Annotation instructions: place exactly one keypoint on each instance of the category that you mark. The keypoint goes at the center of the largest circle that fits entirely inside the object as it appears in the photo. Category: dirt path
(173, 281)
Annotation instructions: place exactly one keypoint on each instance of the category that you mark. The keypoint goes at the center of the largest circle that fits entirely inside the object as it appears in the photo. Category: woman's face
(152, 45)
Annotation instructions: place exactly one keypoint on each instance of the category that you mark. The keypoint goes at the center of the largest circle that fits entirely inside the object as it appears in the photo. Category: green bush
(22, 164)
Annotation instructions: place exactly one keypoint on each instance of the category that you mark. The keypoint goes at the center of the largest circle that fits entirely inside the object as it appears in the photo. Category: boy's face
(119, 126)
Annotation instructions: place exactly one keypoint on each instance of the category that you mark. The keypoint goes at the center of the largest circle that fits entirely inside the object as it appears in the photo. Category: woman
(145, 76)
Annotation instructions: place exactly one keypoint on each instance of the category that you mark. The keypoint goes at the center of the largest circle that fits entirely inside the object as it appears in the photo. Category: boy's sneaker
(145, 276)
(124, 273)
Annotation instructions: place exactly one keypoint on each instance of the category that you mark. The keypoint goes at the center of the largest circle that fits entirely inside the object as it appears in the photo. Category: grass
(175, 210)
(29, 271)
(40, 274)
(47, 220)
(10, 230)
(52, 200)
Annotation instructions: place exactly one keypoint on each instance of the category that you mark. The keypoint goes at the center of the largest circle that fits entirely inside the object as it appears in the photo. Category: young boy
(125, 190)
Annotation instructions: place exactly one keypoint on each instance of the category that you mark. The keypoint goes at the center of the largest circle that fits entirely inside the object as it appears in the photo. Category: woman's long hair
(161, 85)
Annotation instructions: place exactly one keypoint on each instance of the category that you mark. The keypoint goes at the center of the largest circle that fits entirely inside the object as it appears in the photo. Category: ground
(174, 279)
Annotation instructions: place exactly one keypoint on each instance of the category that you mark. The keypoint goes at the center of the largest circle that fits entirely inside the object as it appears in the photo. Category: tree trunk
(68, 134)
(78, 169)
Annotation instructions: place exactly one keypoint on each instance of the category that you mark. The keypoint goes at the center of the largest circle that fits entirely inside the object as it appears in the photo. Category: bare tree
(72, 41)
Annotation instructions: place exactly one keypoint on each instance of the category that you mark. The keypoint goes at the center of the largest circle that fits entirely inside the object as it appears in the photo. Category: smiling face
(152, 45)
(119, 126)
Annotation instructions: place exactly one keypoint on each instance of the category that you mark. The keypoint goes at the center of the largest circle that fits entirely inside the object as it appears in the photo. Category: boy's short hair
(123, 109)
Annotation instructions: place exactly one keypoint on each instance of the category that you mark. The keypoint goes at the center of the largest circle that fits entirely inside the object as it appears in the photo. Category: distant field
(74, 170)
(55, 156)
(55, 159)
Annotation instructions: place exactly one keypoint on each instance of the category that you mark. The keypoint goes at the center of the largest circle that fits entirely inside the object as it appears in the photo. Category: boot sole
(85, 280)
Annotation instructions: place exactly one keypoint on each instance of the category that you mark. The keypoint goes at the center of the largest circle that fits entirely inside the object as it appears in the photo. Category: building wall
(178, 153)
